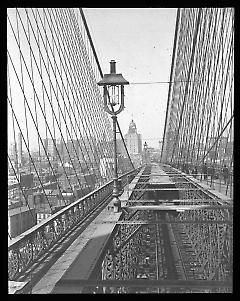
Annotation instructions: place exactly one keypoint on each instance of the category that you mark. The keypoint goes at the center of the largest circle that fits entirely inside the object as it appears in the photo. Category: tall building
(19, 149)
(133, 140)
(134, 144)
(20, 220)
(160, 143)
(49, 145)
(12, 150)
(52, 147)
(60, 147)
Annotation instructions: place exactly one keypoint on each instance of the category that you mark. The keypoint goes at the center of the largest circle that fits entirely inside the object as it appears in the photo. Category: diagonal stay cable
(91, 75)
(64, 118)
(92, 88)
(50, 105)
(219, 136)
(77, 107)
(90, 46)
(75, 88)
(87, 66)
(29, 153)
(14, 117)
(101, 73)
(43, 111)
(34, 99)
(29, 111)
(93, 129)
(21, 68)
(15, 173)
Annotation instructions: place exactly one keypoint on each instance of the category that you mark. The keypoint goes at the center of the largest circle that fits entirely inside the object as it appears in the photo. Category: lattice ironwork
(206, 247)
(25, 251)
(158, 245)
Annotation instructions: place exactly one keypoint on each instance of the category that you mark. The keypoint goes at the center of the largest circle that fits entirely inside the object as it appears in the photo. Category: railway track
(168, 249)
(158, 258)
(185, 249)
(192, 263)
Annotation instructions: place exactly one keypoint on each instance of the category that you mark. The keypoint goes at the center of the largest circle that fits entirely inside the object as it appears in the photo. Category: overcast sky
(141, 43)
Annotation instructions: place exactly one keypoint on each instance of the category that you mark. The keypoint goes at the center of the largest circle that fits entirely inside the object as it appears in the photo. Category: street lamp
(145, 151)
(113, 95)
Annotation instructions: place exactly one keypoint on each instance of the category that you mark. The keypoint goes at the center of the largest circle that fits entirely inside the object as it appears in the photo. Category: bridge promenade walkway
(80, 259)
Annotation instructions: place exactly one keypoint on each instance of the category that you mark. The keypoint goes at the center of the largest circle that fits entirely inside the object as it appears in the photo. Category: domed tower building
(134, 142)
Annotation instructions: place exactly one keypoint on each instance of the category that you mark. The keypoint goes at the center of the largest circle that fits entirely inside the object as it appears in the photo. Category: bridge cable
(101, 73)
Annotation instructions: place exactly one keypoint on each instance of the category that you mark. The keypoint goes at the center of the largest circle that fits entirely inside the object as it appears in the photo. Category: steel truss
(31, 249)
(208, 245)
(185, 248)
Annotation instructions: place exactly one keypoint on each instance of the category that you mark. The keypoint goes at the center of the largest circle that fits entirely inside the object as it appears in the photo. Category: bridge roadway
(80, 259)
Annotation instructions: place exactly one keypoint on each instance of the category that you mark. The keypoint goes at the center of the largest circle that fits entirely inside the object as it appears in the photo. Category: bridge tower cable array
(200, 112)
(55, 108)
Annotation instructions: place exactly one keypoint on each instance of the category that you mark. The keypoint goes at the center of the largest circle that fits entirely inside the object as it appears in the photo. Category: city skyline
(58, 140)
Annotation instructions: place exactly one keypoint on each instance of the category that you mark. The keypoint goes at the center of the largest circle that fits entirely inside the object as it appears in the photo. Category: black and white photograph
(120, 139)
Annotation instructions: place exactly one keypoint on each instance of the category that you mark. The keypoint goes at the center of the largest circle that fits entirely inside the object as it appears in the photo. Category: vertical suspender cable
(171, 79)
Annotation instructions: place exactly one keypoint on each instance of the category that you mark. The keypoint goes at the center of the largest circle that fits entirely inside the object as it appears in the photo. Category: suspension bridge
(173, 232)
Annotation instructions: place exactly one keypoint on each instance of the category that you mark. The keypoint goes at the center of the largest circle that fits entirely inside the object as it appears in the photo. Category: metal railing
(213, 178)
(27, 249)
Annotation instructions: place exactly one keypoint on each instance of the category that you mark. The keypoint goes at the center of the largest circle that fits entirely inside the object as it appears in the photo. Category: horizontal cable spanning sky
(141, 42)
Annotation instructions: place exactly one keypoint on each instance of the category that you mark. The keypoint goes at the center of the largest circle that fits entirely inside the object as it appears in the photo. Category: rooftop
(18, 210)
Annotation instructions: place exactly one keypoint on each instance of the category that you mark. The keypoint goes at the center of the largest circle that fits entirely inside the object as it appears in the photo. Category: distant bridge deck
(159, 176)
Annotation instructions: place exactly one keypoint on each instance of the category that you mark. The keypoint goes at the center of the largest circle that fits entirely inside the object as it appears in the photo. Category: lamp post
(113, 95)
(145, 151)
